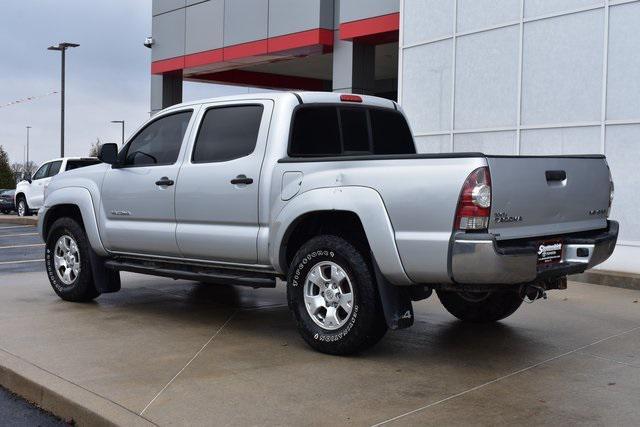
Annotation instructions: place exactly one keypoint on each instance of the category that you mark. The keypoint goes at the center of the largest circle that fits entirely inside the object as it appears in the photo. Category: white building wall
(530, 77)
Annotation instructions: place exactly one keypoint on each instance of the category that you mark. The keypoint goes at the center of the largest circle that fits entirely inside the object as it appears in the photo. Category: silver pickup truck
(326, 192)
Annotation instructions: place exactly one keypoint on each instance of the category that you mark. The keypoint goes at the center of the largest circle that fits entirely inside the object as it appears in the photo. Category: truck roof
(70, 158)
(302, 96)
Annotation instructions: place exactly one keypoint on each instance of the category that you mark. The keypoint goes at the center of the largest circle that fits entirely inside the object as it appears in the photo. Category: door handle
(164, 182)
(241, 179)
(555, 175)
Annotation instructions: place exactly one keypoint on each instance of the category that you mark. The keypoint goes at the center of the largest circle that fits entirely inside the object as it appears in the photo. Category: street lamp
(26, 164)
(62, 47)
(122, 123)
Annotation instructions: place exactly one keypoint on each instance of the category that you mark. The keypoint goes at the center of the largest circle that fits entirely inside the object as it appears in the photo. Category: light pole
(122, 123)
(62, 47)
(26, 164)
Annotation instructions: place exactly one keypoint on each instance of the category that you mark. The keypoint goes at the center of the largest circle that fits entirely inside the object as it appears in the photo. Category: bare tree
(20, 171)
(95, 148)
(16, 168)
(29, 168)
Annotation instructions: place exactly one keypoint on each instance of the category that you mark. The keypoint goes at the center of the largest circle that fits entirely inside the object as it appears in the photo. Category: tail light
(474, 205)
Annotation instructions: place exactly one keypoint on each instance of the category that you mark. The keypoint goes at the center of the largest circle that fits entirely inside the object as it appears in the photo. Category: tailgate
(543, 196)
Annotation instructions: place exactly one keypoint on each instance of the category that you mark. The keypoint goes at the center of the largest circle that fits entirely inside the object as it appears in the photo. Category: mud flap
(396, 301)
(105, 279)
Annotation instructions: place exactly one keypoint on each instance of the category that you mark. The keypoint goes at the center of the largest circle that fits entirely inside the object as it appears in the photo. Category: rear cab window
(320, 130)
(81, 163)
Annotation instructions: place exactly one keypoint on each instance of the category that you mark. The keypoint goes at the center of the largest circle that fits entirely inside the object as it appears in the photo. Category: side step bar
(200, 273)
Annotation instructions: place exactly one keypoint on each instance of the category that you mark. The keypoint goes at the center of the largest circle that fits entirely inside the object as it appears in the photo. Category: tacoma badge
(500, 217)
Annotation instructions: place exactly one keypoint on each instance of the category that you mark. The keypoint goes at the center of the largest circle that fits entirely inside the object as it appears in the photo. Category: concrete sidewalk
(173, 352)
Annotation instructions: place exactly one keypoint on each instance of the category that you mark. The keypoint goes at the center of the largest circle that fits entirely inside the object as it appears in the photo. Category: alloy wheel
(66, 258)
(328, 295)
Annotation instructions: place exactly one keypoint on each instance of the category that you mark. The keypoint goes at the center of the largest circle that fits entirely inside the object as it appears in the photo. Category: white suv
(30, 192)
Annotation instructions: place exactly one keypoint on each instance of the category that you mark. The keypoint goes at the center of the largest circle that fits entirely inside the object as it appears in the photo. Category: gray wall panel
(205, 26)
(245, 21)
(292, 16)
(168, 33)
(162, 6)
(353, 10)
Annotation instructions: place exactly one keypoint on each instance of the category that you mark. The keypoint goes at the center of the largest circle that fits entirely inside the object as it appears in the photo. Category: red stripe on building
(316, 37)
(259, 47)
(166, 65)
(203, 58)
(371, 27)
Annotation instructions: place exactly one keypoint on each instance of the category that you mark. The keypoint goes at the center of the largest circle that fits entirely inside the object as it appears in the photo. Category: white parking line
(21, 246)
(21, 262)
(16, 226)
(20, 234)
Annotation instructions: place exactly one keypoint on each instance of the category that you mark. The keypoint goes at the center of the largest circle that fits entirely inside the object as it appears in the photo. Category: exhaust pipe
(537, 290)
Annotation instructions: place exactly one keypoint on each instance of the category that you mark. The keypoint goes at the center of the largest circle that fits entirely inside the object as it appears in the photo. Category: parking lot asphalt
(179, 352)
(17, 412)
(21, 249)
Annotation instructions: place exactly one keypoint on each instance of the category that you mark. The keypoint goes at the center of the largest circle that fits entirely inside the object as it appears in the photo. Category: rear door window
(227, 133)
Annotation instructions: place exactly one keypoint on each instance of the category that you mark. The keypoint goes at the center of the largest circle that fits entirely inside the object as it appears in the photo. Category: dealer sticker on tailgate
(549, 252)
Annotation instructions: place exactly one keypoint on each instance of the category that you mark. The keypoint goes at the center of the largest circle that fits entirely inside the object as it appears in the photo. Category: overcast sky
(107, 76)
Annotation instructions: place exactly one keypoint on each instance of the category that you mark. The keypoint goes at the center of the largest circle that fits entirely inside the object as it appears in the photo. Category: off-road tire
(83, 288)
(495, 306)
(366, 324)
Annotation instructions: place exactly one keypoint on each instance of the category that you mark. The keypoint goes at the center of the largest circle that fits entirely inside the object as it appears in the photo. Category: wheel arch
(76, 203)
(343, 223)
(361, 207)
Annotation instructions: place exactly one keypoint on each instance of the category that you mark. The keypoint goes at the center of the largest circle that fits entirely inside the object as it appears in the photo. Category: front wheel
(333, 296)
(23, 207)
(480, 307)
(68, 262)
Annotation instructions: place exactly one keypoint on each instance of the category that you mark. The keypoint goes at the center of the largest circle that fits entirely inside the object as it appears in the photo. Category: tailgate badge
(501, 217)
(597, 212)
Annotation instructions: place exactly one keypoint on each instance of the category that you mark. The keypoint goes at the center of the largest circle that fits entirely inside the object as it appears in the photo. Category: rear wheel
(333, 296)
(480, 307)
(23, 207)
(68, 263)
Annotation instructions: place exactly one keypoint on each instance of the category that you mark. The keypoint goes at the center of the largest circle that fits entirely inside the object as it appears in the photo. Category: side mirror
(108, 153)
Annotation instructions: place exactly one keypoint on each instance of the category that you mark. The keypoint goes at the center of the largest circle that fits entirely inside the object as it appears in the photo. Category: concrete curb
(61, 397)
(19, 220)
(609, 278)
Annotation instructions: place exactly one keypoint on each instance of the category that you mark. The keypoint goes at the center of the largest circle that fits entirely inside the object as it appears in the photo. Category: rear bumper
(480, 259)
